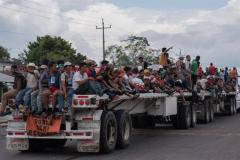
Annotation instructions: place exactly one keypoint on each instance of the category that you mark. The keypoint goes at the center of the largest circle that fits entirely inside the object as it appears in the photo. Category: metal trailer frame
(88, 118)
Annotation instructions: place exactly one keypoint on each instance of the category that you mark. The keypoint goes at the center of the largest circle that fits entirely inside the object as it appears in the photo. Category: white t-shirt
(31, 80)
(78, 77)
(188, 65)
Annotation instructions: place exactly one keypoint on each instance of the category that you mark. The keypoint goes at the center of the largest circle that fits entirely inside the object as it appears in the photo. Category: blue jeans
(27, 98)
(39, 103)
(70, 93)
(20, 95)
(60, 102)
(34, 101)
(95, 87)
(91, 87)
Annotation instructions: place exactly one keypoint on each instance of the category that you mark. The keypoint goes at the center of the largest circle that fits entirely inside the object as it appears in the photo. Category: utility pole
(103, 31)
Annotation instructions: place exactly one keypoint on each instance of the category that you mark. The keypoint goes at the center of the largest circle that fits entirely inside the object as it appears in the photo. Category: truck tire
(235, 106)
(184, 116)
(193, 115)
(206, 112)
(211, 109)
(124, 131)
(108, 132)
(230, 107)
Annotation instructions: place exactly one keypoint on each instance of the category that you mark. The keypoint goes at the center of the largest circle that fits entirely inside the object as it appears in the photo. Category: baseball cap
(67, 64)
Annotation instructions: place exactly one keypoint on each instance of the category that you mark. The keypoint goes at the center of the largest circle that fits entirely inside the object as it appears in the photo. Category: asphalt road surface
(219, 140)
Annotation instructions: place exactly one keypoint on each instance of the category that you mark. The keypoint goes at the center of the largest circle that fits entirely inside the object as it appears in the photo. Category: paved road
(219, 140)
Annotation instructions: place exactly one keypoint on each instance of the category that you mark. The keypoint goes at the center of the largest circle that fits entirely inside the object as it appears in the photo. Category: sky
(209, 28)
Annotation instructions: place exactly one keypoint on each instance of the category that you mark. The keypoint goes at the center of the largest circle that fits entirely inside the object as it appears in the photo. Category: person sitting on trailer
(19, 83)
(23, 97)
(126, 78)
(66, 81)
(54, 82)
(35, 99)
(32, 85)
(117, 82)
(91, 71)
(82, 84)
(136, 81)
(229, 86)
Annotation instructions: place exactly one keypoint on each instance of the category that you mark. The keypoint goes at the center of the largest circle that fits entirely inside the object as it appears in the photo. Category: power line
(54, 8)
(51, 13)
(103, 31)
(46, 17)
(84, 38)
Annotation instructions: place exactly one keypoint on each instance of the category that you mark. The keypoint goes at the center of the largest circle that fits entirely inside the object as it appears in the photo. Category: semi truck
(101, 125)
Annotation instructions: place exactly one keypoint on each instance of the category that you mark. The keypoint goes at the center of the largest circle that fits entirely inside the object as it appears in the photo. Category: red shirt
(200, 72)
(212, 70)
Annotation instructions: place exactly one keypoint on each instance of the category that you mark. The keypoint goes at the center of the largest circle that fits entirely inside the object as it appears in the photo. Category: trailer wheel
(184, 116)
(206, 112)
(124, 132)
(108, 132)
(211, 118)
(193, 115)
(235, 106)
(232, 110)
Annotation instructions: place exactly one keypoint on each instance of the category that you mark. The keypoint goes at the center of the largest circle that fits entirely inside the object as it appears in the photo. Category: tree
(4, 54)
(118, 55)
(78, 58)
(52, 48)
(132, 48)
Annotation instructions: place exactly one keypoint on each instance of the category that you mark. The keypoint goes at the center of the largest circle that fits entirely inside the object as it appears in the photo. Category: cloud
(213, 34)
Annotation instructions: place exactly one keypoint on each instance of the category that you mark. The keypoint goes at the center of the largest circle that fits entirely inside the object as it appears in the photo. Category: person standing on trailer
(226, 74)
(194, 67)
(233, 73)
(212, 69)
(188, 70)
(163, 59)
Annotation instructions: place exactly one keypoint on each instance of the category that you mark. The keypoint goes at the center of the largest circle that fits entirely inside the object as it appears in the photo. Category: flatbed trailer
(100, 125)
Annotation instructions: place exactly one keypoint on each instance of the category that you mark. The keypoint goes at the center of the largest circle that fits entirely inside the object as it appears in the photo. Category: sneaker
(21, 108)
(65, 110)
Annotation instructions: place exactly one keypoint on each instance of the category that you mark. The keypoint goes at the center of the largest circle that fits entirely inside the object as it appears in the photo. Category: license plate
(17, 144)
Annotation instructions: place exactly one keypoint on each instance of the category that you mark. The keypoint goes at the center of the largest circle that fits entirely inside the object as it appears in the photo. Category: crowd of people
(61, 80)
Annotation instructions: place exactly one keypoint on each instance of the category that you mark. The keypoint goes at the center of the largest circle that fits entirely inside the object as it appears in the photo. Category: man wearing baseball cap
(66, 81)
